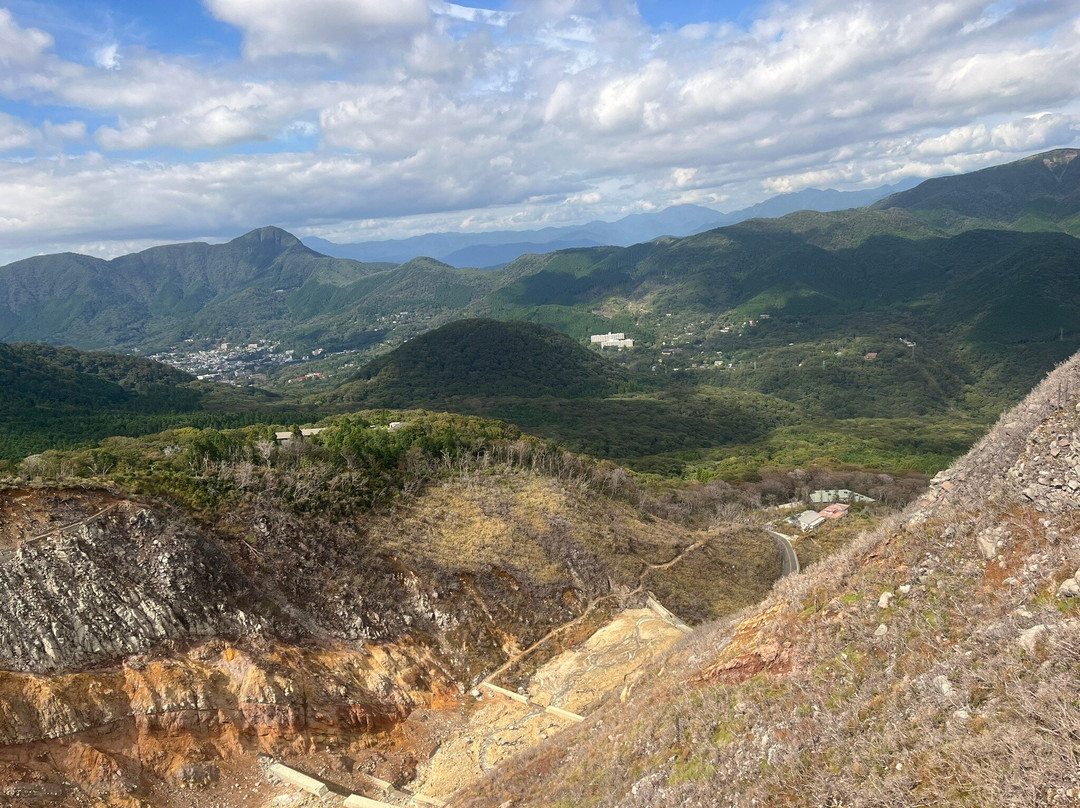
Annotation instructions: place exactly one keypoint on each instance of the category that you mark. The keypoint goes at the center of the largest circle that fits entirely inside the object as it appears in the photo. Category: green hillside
(60, 397)
(485, 358)
(247, 288)
(942, 304)
(1041, 192)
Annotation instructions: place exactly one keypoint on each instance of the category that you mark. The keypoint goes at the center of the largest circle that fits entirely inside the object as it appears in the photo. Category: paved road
(791, 561)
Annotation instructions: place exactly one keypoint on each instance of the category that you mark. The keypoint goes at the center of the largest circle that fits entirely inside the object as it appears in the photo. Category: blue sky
(124, 123)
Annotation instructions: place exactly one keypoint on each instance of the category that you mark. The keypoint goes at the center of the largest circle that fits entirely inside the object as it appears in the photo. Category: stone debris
(1048, 474)
(990, 541)
(943, 684)
(1070, 587)
(885, 599)
(1030, 639)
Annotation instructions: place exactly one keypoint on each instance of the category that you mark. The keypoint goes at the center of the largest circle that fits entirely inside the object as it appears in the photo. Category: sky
(125, 124)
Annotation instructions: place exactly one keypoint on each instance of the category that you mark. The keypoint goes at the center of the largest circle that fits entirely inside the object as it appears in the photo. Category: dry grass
(926, 698)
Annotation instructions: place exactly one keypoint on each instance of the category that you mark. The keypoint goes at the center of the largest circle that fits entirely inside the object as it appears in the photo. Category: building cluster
(611, 340)
(236, 363)
(226, 362)
(839, 502)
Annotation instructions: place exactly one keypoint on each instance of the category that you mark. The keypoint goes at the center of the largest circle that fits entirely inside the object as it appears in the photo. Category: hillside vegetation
(933, 662)
(758, 340)
(485, 358)
(1038, 193)
(61, 397)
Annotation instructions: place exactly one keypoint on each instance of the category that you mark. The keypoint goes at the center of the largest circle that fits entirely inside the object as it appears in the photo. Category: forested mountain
(53, 397)
(900, 310)
(1039, 193)
(248, 286)
(911, 256)
(485, 358)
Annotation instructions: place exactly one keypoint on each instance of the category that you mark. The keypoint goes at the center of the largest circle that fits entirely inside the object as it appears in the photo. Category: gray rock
(943, 684)
(1069, 588)
(1030, 639)
(986, 543)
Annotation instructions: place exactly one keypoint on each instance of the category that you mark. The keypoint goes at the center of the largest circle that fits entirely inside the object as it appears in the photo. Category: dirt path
(80, 523)
(493, 676)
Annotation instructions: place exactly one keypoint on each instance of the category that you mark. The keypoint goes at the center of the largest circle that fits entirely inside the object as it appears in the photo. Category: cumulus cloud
(108, 56)
(18, 45)
(442, 113)
(316, 27)
(16, 134)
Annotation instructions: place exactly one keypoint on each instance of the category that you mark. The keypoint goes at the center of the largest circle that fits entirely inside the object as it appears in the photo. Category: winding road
(790, 560)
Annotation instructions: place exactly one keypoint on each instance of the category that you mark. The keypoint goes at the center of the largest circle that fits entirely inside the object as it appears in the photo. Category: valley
(415, 535)
(922, 314)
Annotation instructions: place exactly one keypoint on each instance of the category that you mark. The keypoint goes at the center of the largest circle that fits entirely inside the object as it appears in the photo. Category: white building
(809, 520)
(611, 340)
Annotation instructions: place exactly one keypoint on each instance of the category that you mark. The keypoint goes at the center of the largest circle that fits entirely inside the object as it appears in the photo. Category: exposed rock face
(87, 577)
(144, 651)
(268, 693)
(113, 585)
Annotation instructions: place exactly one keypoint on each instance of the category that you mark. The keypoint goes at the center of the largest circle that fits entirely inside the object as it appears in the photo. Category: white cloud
(1035, 132)
(557, 108)
(20, 46)
(108, 56)
(470, 14)
(16, 134)
(316, 27)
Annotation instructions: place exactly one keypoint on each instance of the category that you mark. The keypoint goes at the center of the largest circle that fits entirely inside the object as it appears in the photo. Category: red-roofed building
(838, 510)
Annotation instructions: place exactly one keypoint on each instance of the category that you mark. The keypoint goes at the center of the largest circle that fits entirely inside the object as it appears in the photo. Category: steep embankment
(146, 645)
(933, 663)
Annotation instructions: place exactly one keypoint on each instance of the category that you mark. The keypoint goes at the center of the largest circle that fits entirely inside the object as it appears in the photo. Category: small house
(809, 520)
(836, 511)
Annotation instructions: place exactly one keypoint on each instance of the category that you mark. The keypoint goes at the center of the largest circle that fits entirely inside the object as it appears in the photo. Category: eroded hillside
(219, 597)
(933, 662)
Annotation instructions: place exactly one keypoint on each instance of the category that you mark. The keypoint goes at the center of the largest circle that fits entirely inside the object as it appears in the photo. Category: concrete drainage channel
(319, 789)
(557, 711)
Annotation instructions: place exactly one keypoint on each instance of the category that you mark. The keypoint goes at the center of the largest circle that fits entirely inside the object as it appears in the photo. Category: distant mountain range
(499, 247)
(947, 300)
(979, 269)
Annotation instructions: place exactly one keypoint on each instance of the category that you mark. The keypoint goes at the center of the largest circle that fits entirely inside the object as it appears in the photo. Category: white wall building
(611, 340)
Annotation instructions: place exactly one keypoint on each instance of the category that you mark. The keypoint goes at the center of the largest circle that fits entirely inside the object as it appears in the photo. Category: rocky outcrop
(112, 585)
(145, 648)
(192, 720)
(1048, 474)
(274, 694)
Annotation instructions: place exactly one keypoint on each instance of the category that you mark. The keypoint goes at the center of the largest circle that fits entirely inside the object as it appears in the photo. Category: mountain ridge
(498, 247)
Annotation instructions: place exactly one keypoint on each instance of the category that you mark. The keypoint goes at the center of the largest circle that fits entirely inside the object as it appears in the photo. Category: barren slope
(147, 647)
(935, 662)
